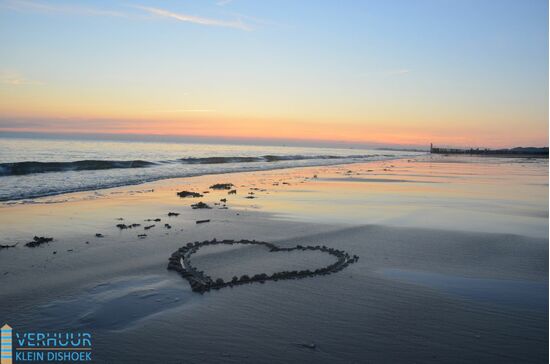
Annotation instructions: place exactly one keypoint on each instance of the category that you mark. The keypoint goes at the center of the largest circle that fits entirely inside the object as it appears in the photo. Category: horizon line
(204, 139)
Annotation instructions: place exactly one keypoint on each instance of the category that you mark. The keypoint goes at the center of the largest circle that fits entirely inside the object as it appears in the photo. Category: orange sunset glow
(268, 81)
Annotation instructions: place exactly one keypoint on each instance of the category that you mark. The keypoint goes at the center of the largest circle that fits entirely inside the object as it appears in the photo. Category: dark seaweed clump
(37, 241)
(7, 246)
(124, 226)
(221, 186)
(200, 205)
(191, 194)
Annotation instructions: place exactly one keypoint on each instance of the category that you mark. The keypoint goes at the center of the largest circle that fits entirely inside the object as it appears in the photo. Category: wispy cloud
(15, 79)
(22, 5)
(45, 7)
(237, 24)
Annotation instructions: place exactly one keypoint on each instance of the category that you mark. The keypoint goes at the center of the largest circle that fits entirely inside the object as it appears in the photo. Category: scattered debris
(173, 214)
(200, 205)
(221, 186)
(168, 226)
(98, 235)
(191, 194)
(2, 246)
(38, 240)
(124, 226)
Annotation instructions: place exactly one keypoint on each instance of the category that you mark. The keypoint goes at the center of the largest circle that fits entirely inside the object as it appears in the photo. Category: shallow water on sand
(112, 305)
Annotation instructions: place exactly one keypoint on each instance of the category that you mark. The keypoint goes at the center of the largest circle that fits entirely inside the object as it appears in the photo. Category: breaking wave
(23, 168)
(31, 167)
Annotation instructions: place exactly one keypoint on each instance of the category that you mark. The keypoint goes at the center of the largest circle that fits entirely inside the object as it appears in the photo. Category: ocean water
(31, 168)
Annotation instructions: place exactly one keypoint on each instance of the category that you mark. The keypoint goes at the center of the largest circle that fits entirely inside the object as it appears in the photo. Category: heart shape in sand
(181, 261)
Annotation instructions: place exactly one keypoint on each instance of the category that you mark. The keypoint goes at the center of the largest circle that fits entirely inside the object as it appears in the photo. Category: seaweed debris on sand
(37, 241)
(184, 194)
(221, 186)
(200, 205)
(7, 246)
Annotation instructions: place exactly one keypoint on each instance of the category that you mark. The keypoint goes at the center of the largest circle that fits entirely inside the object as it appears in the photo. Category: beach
(453, 264)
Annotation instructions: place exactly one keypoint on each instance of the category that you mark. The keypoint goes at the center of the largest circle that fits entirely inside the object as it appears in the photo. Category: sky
(397, 72)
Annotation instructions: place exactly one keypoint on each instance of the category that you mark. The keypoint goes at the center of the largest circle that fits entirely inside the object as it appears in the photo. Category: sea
(32, 167)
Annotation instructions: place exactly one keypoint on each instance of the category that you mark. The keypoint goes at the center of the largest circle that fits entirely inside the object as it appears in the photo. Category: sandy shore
(453, 265)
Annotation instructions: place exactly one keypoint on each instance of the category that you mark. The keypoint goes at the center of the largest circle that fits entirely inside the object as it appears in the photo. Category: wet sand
(453, 265)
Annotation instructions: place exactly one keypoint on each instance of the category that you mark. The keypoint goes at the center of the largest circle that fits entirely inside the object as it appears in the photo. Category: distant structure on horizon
(534, 152)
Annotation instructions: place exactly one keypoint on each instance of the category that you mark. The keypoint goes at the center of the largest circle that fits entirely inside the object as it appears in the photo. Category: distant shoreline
(496, 155)
(519, 152)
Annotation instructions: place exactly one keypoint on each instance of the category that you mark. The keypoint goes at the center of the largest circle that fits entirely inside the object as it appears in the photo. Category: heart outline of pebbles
(180, 261)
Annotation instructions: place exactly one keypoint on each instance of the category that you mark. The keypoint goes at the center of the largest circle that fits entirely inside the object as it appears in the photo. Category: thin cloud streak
(22, 5)
(42, 7)
(237, 24)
